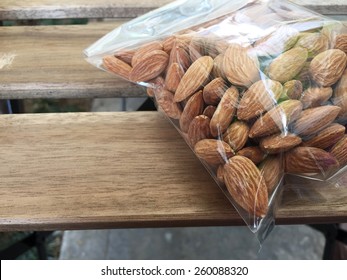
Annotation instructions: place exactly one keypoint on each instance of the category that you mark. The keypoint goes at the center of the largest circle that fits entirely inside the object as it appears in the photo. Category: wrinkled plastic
(258, 89)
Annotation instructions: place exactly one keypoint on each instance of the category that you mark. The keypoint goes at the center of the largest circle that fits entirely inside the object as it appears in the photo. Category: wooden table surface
(111, 170)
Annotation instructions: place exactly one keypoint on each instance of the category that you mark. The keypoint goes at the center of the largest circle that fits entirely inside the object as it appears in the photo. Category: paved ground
(285, 242)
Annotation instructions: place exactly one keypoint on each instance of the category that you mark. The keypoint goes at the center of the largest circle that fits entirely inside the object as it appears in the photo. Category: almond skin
(214, 91)
(199, 129)
(255, 154)
(239, 66)
(195, 77)
(217, 70)
(125, 55)
(326, 137)
(277, 119)
(327, 67)
(117, 66)
(209, 111)
(165, 100)
(302, 160)
(173, 76)
(144, 50)
(271, 169)
(286, 66)
(315, 119)
(213, 151)
(293, 89)
(341, 42)
(220, 174)
(180, 54)
(260, 97)
(246, 185)
(313, 97)
(193, 108)
(236, 135)
(314, 43)
(149, 66)
(278, 143)
(340, 95)
(225, 112)
(340, 151)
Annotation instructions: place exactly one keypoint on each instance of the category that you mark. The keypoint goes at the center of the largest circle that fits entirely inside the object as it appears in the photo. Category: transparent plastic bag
(256, 88)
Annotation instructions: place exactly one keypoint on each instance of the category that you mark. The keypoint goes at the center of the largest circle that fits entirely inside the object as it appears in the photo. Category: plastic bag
(256, 88)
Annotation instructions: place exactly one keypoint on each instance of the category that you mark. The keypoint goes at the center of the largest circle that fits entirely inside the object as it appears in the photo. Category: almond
(209, 111)
(286, 66)
(168, 44)
(173, 77)
(144, 50)
(315, 119)
(149, 66)
(293, 89)
(213, 151)
(220, 174)
(236, 135)
(239, 66)
(193, 108)
(340, 95)
(271, 170)
(340, 151)
(255, 154)
(277, 119)
(302, 160)
(314, 96)
(327, 137)
(314, 43)
(327, 67)
(246, 185)
(117, 66)
(278, 143)
(217, 70)
(260, 97)
(125, 55)
(155, 84)
(199, 129)
(214, 91)
(341, 42)
(195, 77)
(165, 100)
(180, 54)
(225, 112)
(196, 48)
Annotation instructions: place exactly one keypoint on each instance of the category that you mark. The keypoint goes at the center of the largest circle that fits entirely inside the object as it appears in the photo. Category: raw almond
(239, 66)
(180, 54)
(340, 151)
(195, 77)
(271, 170)
(278, 143)
(293, 89)
(125, 55)
(286, 66)
(341, 42)
(199, 129)
(155, 84)
(144, 50)
(315, 119)
(117, 66)
(302, 160)
(193, 108)
(214, 91)
(340, 95)
(220, 174)
(196, 48)
(327, 67)
(173, 77)
(260, 97)
(225, 112)
(327, 137)
(246, 185)
(314, 96)
(165, 100)
(213, 151)
(168, 44)
(314, 43)
(236, 135)
(209, 111)
(217, 70)
(149, 66)
(255, 154)
(277, 119)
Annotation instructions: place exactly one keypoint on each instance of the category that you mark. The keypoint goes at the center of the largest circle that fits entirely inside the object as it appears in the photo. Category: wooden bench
(105, 170)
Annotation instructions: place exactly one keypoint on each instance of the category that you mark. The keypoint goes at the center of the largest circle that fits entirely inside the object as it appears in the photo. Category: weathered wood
(29, 9)
(111, 170)
(47, 62)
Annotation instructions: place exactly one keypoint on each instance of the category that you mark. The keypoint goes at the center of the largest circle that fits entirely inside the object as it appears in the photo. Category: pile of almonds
(250, 111)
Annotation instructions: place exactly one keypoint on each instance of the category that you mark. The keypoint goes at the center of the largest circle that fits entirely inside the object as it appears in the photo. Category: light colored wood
(29, 9)
(111, 170)
(47, 62)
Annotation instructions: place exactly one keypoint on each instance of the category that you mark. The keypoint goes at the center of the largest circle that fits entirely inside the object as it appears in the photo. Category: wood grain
(37, 9)
(111, 170)
(47, 62)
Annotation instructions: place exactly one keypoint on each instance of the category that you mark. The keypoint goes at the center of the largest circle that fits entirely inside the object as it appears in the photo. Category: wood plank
(37, 9)
(111, 170)
(47, 62)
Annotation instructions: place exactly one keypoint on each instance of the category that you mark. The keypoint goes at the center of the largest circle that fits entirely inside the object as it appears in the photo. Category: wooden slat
(111, 170)
(47, 61)
(29, 9)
